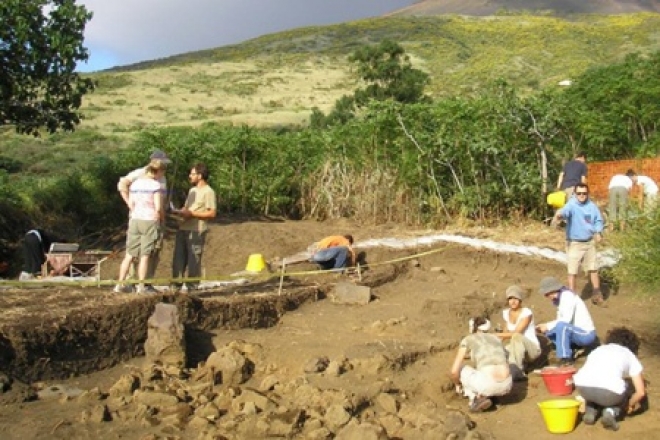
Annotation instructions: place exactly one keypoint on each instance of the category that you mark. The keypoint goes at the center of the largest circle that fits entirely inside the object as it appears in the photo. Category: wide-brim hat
(549, 285)
(161, 156)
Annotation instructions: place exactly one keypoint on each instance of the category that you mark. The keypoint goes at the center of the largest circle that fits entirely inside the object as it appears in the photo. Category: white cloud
(127, 31)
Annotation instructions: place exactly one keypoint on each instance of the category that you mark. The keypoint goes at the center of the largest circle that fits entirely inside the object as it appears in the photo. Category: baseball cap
(160, 155)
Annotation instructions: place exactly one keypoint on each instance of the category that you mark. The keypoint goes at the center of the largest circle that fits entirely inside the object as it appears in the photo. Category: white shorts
(479, 383)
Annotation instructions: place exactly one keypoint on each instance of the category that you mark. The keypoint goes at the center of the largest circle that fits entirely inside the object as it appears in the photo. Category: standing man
(649, 193)
(619, 188)
(200, 207)
(124, 187)
(584, 227)
(574, 172)
(335, 252)
(573, 324)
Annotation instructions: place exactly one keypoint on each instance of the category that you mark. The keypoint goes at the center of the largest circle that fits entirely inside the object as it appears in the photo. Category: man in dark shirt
(574, 172)
(36, 244)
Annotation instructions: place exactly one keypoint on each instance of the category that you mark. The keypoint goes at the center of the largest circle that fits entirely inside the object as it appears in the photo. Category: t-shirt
(648, 185)
(141, 198)
(336, 241)
(142, 172)
(573, 172)
(530, 331)
(621, 181)
(485, 350)
(606, 367)
(199, 199)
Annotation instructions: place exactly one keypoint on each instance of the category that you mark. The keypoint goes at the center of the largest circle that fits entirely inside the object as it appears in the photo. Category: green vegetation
(474, 150)
(40, 46)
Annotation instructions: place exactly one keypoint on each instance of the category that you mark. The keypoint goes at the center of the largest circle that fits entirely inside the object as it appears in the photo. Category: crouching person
(601, 381)
(490, 375)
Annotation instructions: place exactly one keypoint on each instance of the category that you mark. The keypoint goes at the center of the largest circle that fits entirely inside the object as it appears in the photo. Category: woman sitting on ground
(520, 332)
(601, 381)
(490, 376)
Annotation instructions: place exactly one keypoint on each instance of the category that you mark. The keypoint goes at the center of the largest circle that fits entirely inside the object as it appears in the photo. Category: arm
(521, 326)
(456, 366)
(638, 395)
(159, 206)
(123, 187)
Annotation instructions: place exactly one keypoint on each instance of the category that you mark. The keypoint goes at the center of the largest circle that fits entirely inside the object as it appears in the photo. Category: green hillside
(277, 79)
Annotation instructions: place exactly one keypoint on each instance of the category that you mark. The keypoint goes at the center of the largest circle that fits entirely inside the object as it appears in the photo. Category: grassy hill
(277, 79)
(558, 7)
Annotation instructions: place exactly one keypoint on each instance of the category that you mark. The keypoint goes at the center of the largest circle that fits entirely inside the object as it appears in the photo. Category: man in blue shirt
(584, 227)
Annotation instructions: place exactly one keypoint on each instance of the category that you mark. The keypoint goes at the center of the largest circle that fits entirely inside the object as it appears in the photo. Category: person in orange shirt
(334, 252)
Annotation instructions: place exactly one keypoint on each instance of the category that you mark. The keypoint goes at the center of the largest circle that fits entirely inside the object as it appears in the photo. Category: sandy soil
(401, 343)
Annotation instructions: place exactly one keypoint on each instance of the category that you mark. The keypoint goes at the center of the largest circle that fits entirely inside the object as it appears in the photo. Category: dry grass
(240, 93)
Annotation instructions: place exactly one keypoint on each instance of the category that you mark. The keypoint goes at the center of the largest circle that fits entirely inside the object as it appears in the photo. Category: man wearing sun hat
(573, 324)
(158, 158)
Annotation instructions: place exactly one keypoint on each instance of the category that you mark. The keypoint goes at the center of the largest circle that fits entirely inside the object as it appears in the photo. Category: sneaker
(150, 290)
(590, 414)
(609, 419)
(120, 288)
(480, 404)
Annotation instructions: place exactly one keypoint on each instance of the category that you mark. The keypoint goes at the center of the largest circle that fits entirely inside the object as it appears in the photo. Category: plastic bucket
(556, 199)
(560, 415)
(256, 263)
(558, 381)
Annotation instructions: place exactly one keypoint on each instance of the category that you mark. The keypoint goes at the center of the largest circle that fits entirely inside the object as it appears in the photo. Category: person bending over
(490, 375)
(334, 252)
(601, 381)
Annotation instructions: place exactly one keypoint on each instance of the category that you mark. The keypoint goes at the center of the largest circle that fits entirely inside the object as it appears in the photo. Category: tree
(390, 75)
(40, 46)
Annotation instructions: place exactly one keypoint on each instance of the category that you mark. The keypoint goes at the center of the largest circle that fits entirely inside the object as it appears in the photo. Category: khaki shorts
(141, 237)
(581, 252)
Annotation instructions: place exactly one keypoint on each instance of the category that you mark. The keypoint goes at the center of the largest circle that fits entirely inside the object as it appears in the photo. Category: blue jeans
(331, 258)
(565, 334)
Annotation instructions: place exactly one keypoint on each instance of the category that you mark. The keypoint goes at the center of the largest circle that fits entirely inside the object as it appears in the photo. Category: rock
(268, 383)
(59, 392)
(458, 424)
(335, 417)
(90, 396)
(155, 399)
(317, 365)
(335, 368)
(386, 403)
(166, 342)
(260, 401)
(198, 423)
(362, 431)
(349, 293)
(209, 411)
(226, 367)
(391, 423)
(5, 383)
(125, 386)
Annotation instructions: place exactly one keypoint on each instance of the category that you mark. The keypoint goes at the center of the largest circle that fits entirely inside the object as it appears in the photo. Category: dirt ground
(395, 351)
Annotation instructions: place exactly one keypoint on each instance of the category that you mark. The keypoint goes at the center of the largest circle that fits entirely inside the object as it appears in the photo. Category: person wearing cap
(159, 160)
(603, 380)
(618, 190)
(573, 173)
(520, 332)
(490, 376)
(584, 229)
(573, 325)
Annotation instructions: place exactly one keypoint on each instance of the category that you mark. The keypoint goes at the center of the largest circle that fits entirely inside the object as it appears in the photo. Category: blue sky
(127, 31)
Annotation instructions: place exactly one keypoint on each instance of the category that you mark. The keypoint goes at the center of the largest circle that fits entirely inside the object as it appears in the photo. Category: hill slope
(559, 7)
(276, 79)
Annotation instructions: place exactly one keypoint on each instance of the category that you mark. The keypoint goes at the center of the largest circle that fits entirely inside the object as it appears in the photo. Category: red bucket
(558, 380)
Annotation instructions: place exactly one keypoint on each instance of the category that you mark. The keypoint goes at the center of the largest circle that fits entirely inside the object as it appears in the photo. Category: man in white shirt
(124, 185)
(619, 188)
(649, 193)
(573, 324)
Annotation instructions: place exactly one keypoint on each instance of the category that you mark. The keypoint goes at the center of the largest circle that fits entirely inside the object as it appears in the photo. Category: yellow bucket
(256, 263)
(556, 199)
(560, 415)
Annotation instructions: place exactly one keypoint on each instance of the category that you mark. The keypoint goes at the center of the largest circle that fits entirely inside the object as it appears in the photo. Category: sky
(127, 31)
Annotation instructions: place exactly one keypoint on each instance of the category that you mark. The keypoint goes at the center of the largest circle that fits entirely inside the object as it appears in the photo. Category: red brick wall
(600, 173)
